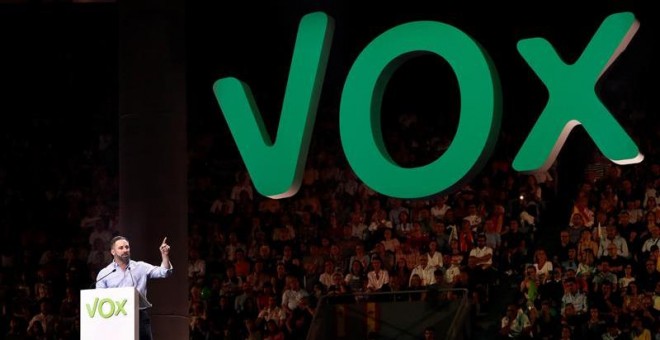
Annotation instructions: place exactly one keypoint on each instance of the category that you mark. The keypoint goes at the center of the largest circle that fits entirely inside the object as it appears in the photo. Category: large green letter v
(276, 167)
(573, 97)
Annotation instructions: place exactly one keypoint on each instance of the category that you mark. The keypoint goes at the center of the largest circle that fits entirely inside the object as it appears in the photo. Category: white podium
(110, 313)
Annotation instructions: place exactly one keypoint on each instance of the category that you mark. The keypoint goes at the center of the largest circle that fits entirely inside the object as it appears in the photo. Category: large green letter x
(573, 99)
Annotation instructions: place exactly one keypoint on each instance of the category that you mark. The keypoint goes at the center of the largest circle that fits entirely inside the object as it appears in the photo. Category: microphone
(131, 274)
(104, 276)
(143, 299)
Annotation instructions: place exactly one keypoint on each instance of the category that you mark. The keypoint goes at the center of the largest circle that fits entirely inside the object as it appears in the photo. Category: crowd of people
(573, 265)
(258, 267)
(595, 275)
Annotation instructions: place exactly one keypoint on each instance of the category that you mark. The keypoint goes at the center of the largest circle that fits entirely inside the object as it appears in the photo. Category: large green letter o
(362, 96)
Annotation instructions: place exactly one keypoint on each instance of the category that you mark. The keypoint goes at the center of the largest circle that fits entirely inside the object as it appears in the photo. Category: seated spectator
(416, 284)
(386, 257)
(337, 258)
(480, 262)
(466, 237)
(638, 330)
(648, 276)
(576, 299)
(434, 255)
(571, 319)
(429, 333)
(575, 228)
(409, 253)
(390, 243)
(258, 277)
(245, 303)
(493, 237)
(627, 278)
(586, 265)
(604, 274)
(309, 250)
(273, 331)
(401, 270)
(298, 324)
(271, 312)
(291, 262)
(310, 276)
(242, 264)
(571, 261)
(338, 286)
(196, 265)
(529, 286)
(632, 299)
(454, 251)
(596, 325)
(653, 240)
(561, 249)
(293, 294)
(547, 322)
(605, 297)
(586, 242)
(515, 323)
(613, 332)
(515, 241)
(43, 323)
(356, 279)
(612, 238)
(231, 283)
(417, 237)
(542, 264)
(440, 235)
(454, 270)
(553, 288)
(423, 271)
(326, 277)
(581, 208)
(360, 255)
(378, 278)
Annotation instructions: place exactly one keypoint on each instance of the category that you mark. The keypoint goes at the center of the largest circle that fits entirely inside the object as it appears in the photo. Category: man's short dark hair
(115, 239)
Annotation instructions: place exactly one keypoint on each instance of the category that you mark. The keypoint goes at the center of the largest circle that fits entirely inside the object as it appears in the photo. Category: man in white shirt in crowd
(425, 272)
(293, 294)
(480, 261)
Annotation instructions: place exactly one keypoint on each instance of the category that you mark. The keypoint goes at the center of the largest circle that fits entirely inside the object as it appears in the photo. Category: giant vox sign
(276, 165)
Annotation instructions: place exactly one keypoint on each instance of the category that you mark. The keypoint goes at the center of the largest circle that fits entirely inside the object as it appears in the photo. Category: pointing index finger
(165, 240)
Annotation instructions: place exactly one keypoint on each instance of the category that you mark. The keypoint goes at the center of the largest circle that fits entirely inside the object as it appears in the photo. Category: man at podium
(124, 272)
